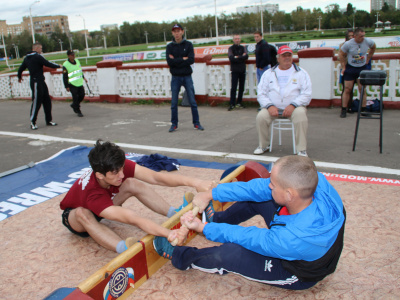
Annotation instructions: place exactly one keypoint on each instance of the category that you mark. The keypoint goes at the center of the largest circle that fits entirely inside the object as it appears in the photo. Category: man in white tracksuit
(283, 91)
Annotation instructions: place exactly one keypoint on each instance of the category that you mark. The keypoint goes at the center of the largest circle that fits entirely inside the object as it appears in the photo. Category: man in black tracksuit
(265, 55)
(34, 61)
(180, 57)
(237, 56)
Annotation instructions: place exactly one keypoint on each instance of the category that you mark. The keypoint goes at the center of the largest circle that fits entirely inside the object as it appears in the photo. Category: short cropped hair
(35, 45)
(358, 30)
(106, 157)
(299, 173)
(258, 32)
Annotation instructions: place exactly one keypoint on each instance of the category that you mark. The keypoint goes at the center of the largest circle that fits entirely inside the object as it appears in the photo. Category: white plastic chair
(280, 125)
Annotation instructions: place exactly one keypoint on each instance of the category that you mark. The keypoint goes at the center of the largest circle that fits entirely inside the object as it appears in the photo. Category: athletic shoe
(51, 124)
(74, 109)
(199, 127)
(231, 107)
(33, 126)
(79, 113)
(209, 212)
(173, 128)
(240, 105)
(187, 198)
(343, 113)
(163, 247)
(260, 150)
(302, 153)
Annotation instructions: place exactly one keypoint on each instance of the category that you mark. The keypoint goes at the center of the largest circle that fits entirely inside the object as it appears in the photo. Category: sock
(121, 247)
(171, 212)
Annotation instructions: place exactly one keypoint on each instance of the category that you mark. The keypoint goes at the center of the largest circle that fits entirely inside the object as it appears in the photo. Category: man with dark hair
(101, 191)
(265, 55)
(34, 61)
(355, 56)
(73, 81)
(302, 244)
(237, 56)
(180, 58)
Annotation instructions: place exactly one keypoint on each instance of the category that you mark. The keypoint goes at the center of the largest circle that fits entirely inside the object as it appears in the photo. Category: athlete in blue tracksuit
(305, 223)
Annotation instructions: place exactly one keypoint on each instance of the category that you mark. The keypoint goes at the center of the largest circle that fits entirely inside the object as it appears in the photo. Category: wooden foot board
(129, 270)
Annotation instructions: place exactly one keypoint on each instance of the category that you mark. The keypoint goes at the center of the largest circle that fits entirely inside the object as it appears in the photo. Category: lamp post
(262, 22)
(30, 14)
(270, 27)
(61, 42)
(185, 33)
(105, 39)
(84, 28)
(146, 34)
(354, 14)
(319, 23)
(16, 51)
(216, 22)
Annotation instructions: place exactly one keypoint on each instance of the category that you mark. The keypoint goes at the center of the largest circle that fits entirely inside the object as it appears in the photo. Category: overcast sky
(98, 12)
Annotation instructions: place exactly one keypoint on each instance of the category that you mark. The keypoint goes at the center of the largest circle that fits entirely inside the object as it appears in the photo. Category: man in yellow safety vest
(73, 81)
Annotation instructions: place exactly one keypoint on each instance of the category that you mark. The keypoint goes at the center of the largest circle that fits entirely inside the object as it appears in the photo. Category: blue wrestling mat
(54, 176)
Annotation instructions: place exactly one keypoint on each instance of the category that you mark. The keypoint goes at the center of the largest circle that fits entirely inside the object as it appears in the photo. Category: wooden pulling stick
(230, 177)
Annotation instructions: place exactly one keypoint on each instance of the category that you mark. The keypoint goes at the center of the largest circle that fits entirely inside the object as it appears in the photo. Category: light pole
(270, 27)
(305, 23)
(5, 50)
(146, 34)
(61, 42)
(262, 22)
(319, 23)
(105, 39)
(185, 33)
(16, 51)
(225, 28)
(216, 22)
(84, 28)
(354, 13)
(165, 38)
(30, 14)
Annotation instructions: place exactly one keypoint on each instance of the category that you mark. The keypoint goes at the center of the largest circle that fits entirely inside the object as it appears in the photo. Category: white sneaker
(260, 150)
(302, 153)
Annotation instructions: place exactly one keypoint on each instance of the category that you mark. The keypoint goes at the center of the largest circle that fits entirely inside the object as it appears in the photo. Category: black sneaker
(79, 113)
(343, 113)
(51, 124)
(231, 107)
(74, 109)
(240, 105)
(173, 128)
(33, 126)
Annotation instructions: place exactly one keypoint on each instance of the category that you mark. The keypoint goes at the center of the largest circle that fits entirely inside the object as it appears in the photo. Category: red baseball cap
(284, 49)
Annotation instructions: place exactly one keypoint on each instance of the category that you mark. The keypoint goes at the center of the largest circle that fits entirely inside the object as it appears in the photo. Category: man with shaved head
(300, 244)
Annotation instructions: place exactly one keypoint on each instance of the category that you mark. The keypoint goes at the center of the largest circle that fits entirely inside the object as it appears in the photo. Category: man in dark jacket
(34, 61)
(265, 55)
(180, 57)
(237, 55)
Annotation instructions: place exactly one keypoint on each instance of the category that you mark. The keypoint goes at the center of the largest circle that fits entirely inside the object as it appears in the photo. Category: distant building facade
(253, 9)
(378, 4)
(109, 27)
(43, 25)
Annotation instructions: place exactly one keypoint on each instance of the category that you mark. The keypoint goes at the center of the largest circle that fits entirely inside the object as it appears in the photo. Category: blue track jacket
(306, 236)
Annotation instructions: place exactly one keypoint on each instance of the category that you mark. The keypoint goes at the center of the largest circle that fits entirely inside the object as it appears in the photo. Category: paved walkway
(228, 137)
